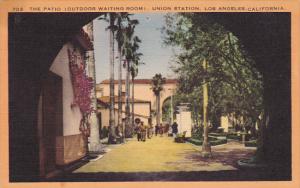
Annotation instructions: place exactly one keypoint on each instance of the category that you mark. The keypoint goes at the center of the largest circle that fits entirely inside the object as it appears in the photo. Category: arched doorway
(167, 110)
(34, 42)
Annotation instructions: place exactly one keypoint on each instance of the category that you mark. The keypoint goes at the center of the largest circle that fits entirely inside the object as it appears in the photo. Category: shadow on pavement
(236, 175)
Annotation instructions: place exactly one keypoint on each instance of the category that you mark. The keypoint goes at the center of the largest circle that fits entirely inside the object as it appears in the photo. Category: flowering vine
(82, 87)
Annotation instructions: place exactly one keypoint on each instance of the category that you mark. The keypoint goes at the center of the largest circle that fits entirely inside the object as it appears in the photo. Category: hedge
(218, 142)
(234, 136)
(217, 134)
(195, 141)
(251, 143)
(212, 142)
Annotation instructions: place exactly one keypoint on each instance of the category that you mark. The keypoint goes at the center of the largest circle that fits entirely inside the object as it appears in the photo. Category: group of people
(143, 131)
(170, 130)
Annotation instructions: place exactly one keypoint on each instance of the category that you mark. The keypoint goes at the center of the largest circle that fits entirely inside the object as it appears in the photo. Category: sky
(156, 56)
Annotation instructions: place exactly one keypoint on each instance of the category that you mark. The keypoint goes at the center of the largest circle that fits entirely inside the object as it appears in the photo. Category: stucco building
(61, 142)
(144, 99)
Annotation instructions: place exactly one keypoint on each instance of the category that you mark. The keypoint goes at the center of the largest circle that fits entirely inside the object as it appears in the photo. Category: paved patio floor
(162, 154)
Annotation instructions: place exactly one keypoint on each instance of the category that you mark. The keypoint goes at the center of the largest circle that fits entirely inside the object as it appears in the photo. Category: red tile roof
(142, 81)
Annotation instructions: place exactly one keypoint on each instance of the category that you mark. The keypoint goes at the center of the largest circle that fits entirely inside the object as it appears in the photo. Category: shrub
(217, 134)
(251, 143)
(197, 132)
(218, 142)
(212, 141)
(234, 136)
(195, 141)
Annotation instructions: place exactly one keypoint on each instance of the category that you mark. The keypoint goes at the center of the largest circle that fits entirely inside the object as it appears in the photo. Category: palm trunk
(95, 145)
(206, 149)
(127, 108)
(112, 128)
(132, 103)
(120, 89)
(158, 109)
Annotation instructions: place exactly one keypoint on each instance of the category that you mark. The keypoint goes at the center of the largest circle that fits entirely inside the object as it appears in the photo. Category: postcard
(151, 93)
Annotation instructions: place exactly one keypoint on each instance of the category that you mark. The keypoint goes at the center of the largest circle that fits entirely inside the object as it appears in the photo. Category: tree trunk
(206, 149)
(120, 90)
(95, 145)
(158, 109)
(127, 108)
(112, 128)
(132, 103)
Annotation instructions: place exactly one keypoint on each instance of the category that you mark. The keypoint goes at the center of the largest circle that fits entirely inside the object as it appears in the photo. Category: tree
(134, 70)
(124, 30)
(157, 86)
(121, 19)
(235, 86)
(95, 145)
(112, 127)
(128, 52)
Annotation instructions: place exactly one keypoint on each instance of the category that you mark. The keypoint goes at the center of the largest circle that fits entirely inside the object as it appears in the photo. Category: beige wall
(142, 92)
(71, 116)
(140, 108)
(104, 116)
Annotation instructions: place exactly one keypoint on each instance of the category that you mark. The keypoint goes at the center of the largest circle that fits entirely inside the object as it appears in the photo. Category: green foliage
(212, 142)
(218, 142)
(197, 132)
(218, 134)
(235, 86)
(251, 143)
(234, 136)
(157, 84)
(166, 110)
(195, 141)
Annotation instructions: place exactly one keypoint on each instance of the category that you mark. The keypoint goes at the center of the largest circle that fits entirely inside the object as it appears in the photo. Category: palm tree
(128, 53)
(112, 27)
(157, 86)
(95, 145)
(134, 70)
(121, 17)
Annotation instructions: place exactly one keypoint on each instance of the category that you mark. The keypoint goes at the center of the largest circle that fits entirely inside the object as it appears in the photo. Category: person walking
(174, 128)
(143, 132)
(138, 130)
(156, 129)
(149, 131)
(161, 130)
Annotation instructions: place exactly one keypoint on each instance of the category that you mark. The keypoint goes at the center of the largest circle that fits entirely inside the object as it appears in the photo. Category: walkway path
(162, 154)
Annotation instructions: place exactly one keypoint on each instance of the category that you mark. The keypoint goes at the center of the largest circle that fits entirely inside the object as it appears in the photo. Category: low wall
(70, 148)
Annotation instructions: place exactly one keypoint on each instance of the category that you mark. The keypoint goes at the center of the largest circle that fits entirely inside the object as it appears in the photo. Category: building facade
(61, 142)
(144, 98)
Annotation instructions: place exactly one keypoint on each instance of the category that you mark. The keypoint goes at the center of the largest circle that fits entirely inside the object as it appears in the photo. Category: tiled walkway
(161, 154)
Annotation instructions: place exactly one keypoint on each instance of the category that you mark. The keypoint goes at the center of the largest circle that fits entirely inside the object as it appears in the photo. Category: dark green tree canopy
(235, 85)
(157, 83)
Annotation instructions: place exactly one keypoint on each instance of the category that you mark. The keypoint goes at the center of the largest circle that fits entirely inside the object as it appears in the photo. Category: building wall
(71, 146)
(142, 92)
(71, 116)
(104, 116)
(142, 109)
